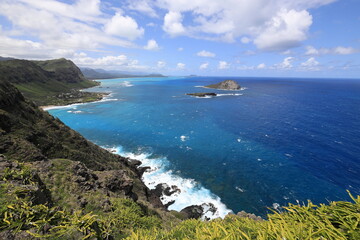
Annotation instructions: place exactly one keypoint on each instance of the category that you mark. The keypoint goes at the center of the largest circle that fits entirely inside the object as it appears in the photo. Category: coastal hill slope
(42, 161)
(52, 82)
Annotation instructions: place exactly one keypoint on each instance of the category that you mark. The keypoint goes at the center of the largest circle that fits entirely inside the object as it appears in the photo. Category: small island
(225, 85)
(202, 94)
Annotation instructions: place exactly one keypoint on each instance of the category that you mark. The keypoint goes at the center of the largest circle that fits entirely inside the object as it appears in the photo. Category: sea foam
(191, 192)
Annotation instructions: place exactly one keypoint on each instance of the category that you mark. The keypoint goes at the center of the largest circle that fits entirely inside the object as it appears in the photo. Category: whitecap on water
(183, 138)
(191, 192)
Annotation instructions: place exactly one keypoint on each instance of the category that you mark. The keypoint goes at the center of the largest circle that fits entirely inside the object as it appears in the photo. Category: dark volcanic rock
(225, 85)
(202, 94)
(198, 211)
(118, 180)
(194, 211)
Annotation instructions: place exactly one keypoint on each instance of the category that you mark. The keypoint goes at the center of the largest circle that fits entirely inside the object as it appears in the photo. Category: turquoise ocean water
(275, 141)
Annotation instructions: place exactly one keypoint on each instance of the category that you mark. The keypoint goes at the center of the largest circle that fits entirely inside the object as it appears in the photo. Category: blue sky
(287, 38)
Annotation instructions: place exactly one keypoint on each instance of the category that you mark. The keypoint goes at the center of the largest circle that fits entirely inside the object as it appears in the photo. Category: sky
(259, 38)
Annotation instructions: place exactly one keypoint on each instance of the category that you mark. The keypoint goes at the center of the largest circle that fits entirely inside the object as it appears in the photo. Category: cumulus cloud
(152, 45)
(310, 65)
(310, 50)
(284, 31)
(274, 25)
(123, 26)
(57, 27)
(121, 62)
(261, 66)
(180, 66)
(161, 64)
(223, 65)
(286, 63)
(173, 24)
(204, 53)
(204, 66)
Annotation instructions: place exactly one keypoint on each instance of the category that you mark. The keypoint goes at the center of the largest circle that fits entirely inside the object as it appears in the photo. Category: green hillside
(52, 82)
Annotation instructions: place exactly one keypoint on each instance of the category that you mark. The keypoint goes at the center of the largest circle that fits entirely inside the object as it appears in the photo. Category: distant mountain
(43, 81)
(6, 58)
(90, 73)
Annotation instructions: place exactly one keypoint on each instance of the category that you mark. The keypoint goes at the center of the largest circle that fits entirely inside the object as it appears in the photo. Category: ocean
(277, 141)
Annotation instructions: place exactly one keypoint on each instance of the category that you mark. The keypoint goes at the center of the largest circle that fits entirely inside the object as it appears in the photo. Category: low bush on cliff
(27, 212)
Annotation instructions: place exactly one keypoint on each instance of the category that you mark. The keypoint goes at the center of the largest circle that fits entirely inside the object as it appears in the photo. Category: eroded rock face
(193, 211)
(199, 211)
(225, 85)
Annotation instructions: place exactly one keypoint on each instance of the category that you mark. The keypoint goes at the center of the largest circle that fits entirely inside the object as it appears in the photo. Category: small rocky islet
(229, 85)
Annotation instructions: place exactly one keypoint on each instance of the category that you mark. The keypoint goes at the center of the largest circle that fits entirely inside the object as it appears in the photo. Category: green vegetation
(20, 214)
(338, 220)
(52, 82)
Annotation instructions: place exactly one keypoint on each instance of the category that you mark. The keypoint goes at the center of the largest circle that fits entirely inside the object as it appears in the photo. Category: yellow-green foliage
(18, 213)
(338, 221)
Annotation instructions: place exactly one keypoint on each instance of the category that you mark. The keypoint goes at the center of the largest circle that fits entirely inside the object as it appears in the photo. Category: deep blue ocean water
(277, 141)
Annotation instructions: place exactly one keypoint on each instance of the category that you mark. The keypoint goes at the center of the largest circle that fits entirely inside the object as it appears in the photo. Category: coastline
(158, 180)
(104, 96)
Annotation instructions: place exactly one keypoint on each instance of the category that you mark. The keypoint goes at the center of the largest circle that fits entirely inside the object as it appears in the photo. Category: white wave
(126, 84)
(183, 138)
(75, 105)
(191, 192)
(228, 94)
(76, 112)
(241, 89)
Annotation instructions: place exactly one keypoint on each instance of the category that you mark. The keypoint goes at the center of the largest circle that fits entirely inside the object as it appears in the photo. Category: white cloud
(180, 66)
(172, 24)
(245, 40)
(261, 66)
(344, 50)
(56, 28)
(223, 65)
(275, 25)
(284, 31)
(123, 26)
(161, 64)
(180, 49)
(121, 62)
(310, 65)
(152, 45)
(204, 66)
(310, 50)
(204, 53)
(143, 6)
(286, 63)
